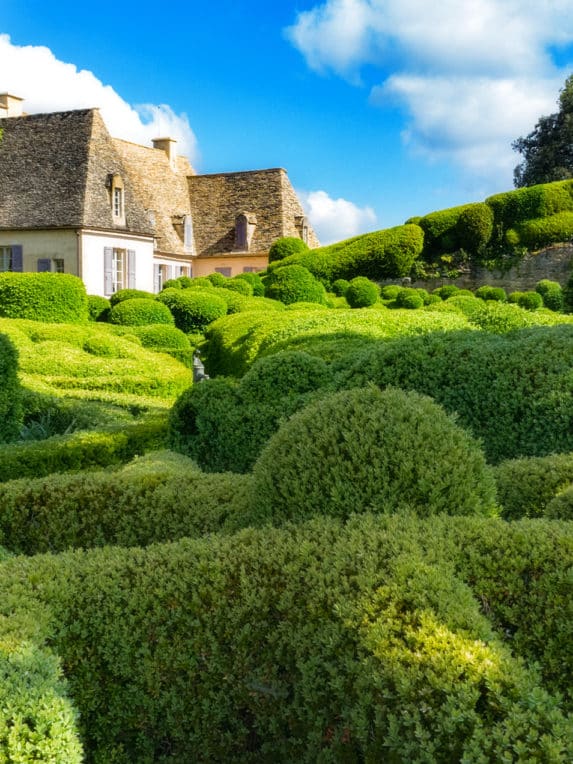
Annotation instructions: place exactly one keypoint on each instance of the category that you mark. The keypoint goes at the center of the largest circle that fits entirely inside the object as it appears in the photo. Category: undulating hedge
(224, 426)
(193, 309)
(11, 412)
(294, 283)
(140, 311)
(525, 487)
(158, 497)
(540, 201)
(51, 297)
(166, 339)
(513, 391)
(81, 450)
(98, 308)
(366, 449)
(467, 227)
(380, 255)
(322, 642)
(129, 294)
(538, 233)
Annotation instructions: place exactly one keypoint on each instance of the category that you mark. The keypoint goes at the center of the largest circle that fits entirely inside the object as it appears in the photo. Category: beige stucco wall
(203, 266)
(61, 244)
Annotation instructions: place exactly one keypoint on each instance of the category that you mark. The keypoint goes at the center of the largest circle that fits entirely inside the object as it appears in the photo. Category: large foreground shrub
(52, 297)
(319, 643)
(364, 449)
(10, 392)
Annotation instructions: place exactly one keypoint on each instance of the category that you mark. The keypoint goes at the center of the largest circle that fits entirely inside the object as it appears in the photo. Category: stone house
(117, 214)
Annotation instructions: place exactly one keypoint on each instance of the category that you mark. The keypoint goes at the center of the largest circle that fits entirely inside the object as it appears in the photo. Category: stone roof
(161, 188)
(54, 171)
(217, 200)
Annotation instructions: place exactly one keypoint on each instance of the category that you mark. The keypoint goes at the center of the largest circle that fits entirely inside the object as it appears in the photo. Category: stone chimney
(168, 146)
(10, 105)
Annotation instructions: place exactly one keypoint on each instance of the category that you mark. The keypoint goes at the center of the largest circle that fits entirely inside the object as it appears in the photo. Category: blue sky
(378, 109)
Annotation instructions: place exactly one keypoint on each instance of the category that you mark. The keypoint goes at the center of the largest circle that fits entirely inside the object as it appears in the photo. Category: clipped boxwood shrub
(390, 291)
(475, 227)
(525, 487)
(294, 283)
(51, 297)
(551, 293)
(409, 298)
(239, 285)
(538, 233)
(526, 300)
(313, 643)
(467, 227)
(366, 449)
(254, 280)
(561, 506)
(98, 308)
(11, 412)
(167, 339)
(532, 202)
(140, 311)
(193, 309)
(446, 291)
(129, 294)
(487, 292)
(217, 279)
(288, 245)
(361, 292)
(340, 286)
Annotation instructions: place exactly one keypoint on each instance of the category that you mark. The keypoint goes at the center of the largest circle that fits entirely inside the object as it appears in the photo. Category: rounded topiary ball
(551, 294)
(288, 373)
(487, 292)
(193, 309)
(409, 298)
(340, 286)
(294, 283)
(98, 308)
(362, 292)
(129, 294)
(288, 245)
(140, 311)
(370, 450)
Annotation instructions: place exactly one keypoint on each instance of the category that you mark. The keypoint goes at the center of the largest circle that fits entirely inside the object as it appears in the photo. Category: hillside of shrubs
(351, 541)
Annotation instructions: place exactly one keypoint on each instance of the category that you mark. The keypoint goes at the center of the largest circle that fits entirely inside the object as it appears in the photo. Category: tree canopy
(548, 150)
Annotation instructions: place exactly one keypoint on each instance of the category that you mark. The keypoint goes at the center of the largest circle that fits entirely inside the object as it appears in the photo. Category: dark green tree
(548, 150)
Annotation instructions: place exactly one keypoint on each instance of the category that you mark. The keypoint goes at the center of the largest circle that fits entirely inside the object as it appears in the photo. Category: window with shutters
(119, 269)
(161, 273)
(117, 198)
(11, 259)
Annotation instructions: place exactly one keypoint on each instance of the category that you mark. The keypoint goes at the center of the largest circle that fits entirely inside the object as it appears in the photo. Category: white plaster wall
(92, 247)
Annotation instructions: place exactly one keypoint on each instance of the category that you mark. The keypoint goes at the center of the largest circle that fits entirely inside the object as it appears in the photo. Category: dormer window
(188, 244)
(245, 225)
(301, 223)
(117, 198)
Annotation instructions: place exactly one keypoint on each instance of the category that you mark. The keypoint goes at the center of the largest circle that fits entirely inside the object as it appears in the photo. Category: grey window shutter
(169, 271)
(131, 268)
(17, 258)
(44, 265)
(108, 270)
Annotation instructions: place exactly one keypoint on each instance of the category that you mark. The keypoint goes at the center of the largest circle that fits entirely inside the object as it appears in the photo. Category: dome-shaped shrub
(172, 284)
(409, 298)
(217, 279)
(487, 292)
(370, 450)
(446, 291)
(294, 283)
(390, 291)
(361, 292)
(193, 309)
(551, 293)
(288, 373)
(254, 280)
(288, 245)
(129, 294)
(527, 300)
(239, 285)
(340, 286)
(167, 339)
(140, 311)
(50, 297)
(98, 308)
(201, 282)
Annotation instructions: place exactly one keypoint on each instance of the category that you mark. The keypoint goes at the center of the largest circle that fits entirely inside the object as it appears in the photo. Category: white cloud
(473, 76)
(335, 219)
(47, 84)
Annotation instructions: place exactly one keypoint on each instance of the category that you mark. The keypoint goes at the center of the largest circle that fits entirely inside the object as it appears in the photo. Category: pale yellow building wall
(61, 244)
(203, 266)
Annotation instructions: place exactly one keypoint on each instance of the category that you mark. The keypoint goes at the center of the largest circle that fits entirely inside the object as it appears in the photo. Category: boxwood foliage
(224, 426)
(513, 391)
(254, 280)
(98, 308)
(361, 292)
(538, 233)
(286, 246)
(166, 339)
(11, 412)
(52, 297)
(561, 506)
(140, 311)
(525, 487)
(158, 497)
(467, 227)
(383, 254)
(313, 643)
(366, 449)
(193, 309)
(540, 201)
(551, 293)
(81, 450)
(294, 283)
(487, 292)
(129, 294)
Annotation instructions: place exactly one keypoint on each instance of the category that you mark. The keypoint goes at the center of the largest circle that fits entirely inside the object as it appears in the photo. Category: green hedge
(140, 311)
(159, 497)
(409, 299)
(98, 308)
(294, 283)
(487, 292)
(52, 297)
(364, 449)
(467, 227)
(535, 234)
(10, 391)
(513, 391)
(551, 293)
(254, 280)
(523, 204)
(525, 487)
(224, 426)
(317, 643)
(380, 255)
(82, 450)
(129, 294)
(288, 245)
(193, 309)
(361, 292)
(166, 339)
